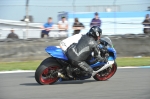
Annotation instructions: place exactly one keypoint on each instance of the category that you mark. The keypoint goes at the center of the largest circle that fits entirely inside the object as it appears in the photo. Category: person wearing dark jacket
(77, 26)
(146, 23)
(78, 53)
(96, 21)
(12, 35)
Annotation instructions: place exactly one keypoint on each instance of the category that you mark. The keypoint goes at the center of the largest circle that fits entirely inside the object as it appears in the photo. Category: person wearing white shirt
(63, 26)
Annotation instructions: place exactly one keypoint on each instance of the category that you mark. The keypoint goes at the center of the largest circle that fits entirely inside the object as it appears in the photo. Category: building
(41, 9)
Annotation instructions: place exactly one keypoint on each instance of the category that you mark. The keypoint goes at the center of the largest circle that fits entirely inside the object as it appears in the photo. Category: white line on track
(127, 67)
(17, 71)
(27, 71)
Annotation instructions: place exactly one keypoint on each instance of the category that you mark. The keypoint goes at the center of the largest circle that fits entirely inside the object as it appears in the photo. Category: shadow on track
(74, 82)
(63, 82)
(30, 84)
(30, 77)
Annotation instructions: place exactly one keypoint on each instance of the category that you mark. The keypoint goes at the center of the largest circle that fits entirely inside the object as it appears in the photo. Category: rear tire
(42, 72)
(100, 77)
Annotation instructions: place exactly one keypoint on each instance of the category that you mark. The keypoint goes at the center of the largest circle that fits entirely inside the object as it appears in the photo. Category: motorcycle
(53, 68)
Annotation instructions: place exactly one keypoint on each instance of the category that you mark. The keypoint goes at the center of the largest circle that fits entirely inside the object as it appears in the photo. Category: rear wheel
(46, 73)
(107, 73)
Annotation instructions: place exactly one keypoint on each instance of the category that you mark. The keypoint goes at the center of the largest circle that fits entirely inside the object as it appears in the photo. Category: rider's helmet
(95, 32)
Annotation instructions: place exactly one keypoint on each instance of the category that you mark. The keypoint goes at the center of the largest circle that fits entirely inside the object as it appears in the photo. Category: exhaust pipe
(61, 75)
(109, 63)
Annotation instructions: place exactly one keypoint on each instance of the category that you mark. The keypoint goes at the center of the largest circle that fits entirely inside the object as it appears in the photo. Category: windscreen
(107, 39)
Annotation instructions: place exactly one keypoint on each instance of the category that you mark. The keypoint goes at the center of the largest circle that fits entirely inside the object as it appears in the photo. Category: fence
(108, 27)
(123, 23)
(36, 33)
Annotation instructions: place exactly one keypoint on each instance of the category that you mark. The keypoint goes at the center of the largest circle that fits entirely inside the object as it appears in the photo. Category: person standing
(47, 27)
(77, 26)
(146, 23)
(96, 21)
(63, 26)
(12, 35)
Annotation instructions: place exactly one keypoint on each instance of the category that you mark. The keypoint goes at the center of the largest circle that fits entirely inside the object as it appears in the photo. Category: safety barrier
(34, 49)
(35, 33)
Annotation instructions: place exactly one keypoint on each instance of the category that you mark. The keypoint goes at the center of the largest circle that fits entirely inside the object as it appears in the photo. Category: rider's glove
(100, 59)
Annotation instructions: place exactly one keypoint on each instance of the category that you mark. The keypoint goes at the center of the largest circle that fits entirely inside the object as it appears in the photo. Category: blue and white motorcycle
(54, 68)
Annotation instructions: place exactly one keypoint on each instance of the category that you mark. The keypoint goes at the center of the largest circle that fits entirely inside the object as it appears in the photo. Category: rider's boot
(69, 71)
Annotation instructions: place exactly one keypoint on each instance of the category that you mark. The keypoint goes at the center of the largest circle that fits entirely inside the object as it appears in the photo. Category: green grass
(145, 61)
(32, 65)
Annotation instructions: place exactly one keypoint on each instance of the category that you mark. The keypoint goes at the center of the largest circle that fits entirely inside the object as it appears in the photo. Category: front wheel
(44, 73)
(107, 73)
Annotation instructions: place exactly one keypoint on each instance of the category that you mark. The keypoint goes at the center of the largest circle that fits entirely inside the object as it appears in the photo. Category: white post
(0, 33)
(27, 19)
(73, 4)
(114, 16)
(24, 33)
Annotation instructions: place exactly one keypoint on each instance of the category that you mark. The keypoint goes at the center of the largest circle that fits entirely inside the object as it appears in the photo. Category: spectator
(95, 21)
(146, 23)
(77, 26)
(63, 24)
(12, 35)
(47, 26)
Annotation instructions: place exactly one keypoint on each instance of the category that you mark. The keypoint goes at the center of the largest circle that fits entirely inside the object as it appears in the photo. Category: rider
(78, 53)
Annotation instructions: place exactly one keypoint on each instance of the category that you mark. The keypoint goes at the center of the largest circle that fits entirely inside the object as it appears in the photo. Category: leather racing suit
(77, 53)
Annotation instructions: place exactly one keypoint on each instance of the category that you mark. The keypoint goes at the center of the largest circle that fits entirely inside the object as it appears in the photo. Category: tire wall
(34, 49)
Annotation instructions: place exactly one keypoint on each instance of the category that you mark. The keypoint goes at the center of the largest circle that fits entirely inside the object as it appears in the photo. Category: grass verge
(144, 61)
(32, 65)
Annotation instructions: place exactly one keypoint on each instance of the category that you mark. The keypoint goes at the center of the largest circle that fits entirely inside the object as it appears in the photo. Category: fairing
(101, 64)
(56, 52)
(59, 53)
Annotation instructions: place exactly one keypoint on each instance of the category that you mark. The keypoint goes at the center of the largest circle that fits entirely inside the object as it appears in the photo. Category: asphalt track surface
(125, 84)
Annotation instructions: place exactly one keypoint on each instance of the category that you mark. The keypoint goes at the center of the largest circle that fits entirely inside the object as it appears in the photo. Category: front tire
(109, 72)
(43, 72)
